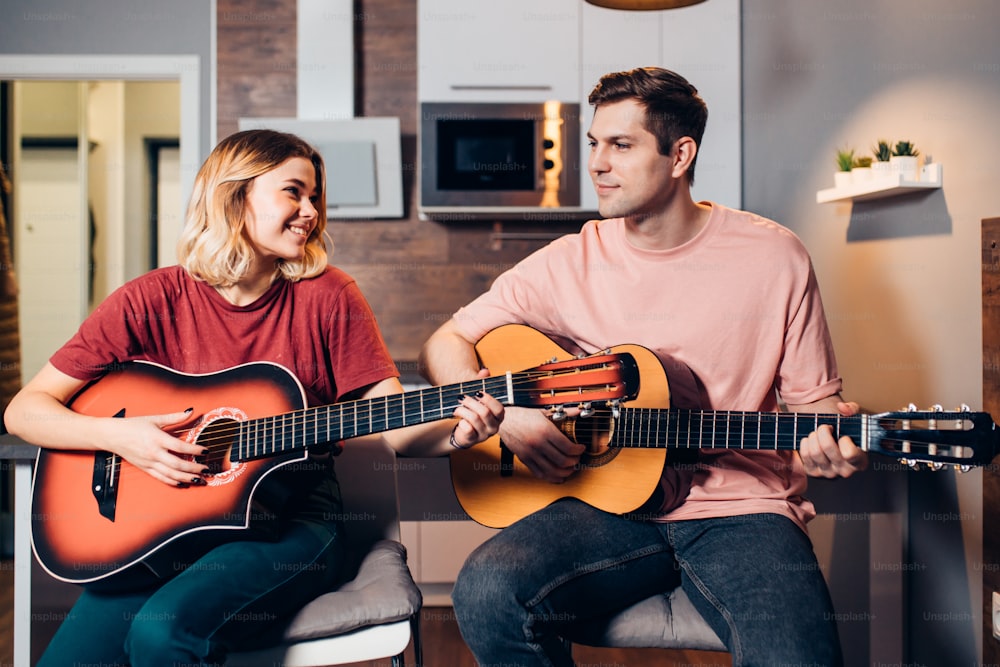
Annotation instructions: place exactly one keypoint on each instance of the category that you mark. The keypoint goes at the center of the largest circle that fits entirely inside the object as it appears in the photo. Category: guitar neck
(725, 429)
(293, 431)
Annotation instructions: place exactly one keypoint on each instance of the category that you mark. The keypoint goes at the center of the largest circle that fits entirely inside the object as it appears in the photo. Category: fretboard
(724, 429)
(292, 431)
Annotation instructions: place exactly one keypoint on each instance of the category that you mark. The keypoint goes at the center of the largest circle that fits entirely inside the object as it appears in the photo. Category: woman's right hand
(145, 443)
(38, 414)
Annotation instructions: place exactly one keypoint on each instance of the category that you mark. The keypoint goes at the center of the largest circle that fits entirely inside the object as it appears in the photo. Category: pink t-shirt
(738, 306)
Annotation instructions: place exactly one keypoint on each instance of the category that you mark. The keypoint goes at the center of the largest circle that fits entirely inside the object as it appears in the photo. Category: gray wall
(108, 27)
(900, 277)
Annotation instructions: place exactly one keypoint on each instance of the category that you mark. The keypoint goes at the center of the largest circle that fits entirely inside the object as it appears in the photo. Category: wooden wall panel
(256, 60)
(991, 403)
(414, 272)
(386, 63)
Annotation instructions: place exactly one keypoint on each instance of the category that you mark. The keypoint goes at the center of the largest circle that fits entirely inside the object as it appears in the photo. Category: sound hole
(218, 436)
(594, 433)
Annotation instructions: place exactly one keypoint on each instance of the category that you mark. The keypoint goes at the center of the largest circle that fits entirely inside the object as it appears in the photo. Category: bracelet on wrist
(453, 442)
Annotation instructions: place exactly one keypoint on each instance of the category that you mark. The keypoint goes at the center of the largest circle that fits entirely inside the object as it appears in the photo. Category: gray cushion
(661, 621)
(382, 592)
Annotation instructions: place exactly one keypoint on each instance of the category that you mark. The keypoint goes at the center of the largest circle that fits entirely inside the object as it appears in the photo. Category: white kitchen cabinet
(436, 551)
(636, 39)
(613, 40)
(702, 44)
(512, 51)
(529, 51)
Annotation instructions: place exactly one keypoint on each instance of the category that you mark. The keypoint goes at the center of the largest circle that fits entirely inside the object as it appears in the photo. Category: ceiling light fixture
(644, 4)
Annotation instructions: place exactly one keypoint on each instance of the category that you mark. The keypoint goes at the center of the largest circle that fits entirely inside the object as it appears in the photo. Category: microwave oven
(499, 158)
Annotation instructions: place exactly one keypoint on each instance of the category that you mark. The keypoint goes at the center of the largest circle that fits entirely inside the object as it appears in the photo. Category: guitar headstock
(937, 438)
(597, 380)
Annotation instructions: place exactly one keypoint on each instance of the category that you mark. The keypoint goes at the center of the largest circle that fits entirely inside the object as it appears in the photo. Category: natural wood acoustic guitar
(627, 444)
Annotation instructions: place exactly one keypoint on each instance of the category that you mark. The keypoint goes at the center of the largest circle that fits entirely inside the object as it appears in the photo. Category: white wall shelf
(883, 185)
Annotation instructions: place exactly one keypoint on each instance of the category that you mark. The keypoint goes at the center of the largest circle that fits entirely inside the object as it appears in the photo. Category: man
(732, 297)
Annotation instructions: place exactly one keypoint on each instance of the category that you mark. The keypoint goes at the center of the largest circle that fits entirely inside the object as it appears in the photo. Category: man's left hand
(824, 455)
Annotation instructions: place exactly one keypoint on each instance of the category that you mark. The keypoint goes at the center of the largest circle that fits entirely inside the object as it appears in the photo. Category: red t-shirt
(321, 329)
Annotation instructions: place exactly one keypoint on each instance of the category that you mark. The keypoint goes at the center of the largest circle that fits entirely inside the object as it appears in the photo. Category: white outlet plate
(996, 614)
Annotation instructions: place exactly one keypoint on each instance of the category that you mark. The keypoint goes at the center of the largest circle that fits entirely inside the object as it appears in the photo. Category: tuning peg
(937, 408)
(963, 467)
(935, 465)
(616, 408)
(558, 414)
(586, 410)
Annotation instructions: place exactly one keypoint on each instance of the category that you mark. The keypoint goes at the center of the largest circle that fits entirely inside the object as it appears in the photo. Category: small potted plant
(882, 150)
(904, 160)
(862, 169)
(845, 162)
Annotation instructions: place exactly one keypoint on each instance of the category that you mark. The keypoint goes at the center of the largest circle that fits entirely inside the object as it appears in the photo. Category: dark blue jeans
(230, 598)
(754, 578)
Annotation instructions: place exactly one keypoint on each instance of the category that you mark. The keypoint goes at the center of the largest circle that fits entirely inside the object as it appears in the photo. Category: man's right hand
(540, 445)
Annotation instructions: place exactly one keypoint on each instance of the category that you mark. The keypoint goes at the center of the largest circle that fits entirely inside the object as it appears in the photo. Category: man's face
(630, 175)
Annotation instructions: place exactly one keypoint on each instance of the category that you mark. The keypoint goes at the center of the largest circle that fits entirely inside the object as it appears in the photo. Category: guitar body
(496, 489)
(144, 527)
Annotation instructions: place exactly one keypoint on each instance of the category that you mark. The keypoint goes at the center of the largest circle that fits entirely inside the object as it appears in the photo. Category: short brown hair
(213, 246)
(674, 109)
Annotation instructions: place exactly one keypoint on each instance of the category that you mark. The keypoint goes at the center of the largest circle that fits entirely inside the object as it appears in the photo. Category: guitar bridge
(104, 484)
(506, 461)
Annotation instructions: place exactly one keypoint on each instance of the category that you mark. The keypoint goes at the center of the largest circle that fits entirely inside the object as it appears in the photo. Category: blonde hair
(213, 246)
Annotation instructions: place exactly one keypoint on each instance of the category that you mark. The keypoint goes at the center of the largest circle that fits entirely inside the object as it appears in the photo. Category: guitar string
(685, 429)
(782, 439)
(222, 439)
(768, 431)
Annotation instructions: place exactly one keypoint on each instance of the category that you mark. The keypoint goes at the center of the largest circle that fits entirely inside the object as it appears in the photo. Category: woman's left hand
(480, 417)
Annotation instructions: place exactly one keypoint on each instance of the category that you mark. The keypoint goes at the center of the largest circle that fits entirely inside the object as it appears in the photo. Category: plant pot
(905, 166)
(842, 179)
(861, 174)
(881, 168)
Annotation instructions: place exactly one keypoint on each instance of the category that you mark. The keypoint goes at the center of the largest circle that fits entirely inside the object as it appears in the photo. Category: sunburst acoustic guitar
(97, 520)
(628, 445)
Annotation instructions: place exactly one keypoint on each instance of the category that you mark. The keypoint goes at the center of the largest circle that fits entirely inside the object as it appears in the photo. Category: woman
(253, 284)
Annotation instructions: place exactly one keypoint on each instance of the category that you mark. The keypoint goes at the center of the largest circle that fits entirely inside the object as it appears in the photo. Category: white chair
(377, 613)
